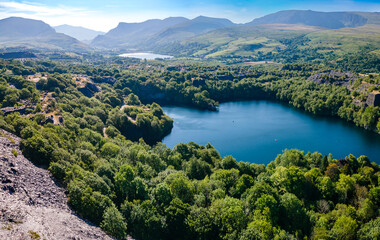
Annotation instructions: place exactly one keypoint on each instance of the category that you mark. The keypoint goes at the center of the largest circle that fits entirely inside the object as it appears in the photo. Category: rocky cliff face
(373, 99)
(32, 206)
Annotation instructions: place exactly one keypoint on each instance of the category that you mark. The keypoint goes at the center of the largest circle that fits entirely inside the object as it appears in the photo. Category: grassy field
(346, 40)
(246, 41)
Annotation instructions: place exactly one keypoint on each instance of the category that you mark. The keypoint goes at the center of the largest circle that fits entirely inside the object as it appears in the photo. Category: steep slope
(17, 32)
(32, 206)
(132, 34)
(15, 27)
(373, 17)
(82, 34)
(190, 29)
(238, 41)
(248, 40)
(331, 20)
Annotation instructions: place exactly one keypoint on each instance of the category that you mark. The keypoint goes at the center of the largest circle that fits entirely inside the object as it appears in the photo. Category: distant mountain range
(158, 31)
(82, 34)
(22, 32)
(172, 35)
(152, 34)
(131, 34)
(330, 20)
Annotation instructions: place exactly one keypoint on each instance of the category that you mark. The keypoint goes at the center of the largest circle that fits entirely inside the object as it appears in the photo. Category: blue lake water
(256, 131)
(147, 56)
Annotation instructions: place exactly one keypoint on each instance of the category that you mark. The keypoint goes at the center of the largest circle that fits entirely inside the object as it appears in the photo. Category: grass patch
(7, 227)
(14, 152)
(6, 136)
(34, 235)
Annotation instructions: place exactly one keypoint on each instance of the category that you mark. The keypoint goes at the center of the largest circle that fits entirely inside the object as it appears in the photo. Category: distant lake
(147, 56)
(256, 131)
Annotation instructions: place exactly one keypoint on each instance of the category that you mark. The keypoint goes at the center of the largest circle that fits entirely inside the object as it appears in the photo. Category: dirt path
(32, 206)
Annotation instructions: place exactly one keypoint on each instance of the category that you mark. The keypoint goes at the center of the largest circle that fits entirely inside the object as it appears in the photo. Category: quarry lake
(143, 55)
(256, 131)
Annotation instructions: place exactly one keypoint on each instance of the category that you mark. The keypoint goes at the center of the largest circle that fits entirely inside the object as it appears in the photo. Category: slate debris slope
(31, 203)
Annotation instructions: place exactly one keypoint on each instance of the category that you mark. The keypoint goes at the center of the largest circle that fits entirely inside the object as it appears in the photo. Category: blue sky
(106, 14)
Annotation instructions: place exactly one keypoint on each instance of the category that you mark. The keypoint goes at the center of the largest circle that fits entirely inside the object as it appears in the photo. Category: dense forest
(97, 127)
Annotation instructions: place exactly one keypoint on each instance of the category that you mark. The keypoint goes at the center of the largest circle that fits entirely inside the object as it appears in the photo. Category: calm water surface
(147, 56)
(256, 131)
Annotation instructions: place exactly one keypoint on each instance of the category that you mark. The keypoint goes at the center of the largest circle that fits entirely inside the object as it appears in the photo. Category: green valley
(94, 119)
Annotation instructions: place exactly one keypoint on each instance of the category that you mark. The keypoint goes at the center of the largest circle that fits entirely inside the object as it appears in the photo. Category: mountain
(17, 32)
(242, 40)
(372, 17)
(330, 20)
(16, 27)
(132, 34)
(82, 34)
(190, 28)
(199, 25)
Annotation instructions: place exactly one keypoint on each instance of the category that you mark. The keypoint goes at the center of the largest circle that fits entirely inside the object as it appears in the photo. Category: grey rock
(30, 200)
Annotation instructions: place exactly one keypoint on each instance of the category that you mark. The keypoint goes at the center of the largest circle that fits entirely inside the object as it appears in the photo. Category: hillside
(22, 32)
(190, 28)
(372, 17)
(345, 40)
(331, 20)
(277, 37)
(156, 192)
(82, 34)
(285, 34)
(155, 33)
(32, 205)
(245, 40)
(132, 34)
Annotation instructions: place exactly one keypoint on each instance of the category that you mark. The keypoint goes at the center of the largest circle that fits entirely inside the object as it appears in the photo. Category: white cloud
(106, 20)
(42, 10)
(57, 15)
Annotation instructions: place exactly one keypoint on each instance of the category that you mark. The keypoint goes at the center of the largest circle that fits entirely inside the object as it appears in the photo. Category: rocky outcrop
(105, 79)
(90, 89)
(48, 119)
(21, 110)
(334, 77)
(32, 206)
(373, 99)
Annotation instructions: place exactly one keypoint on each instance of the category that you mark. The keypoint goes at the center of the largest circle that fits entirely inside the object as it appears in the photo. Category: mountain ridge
(130, 34)
(330, 20)
(81, 33)
(162, 34)
(24, 32)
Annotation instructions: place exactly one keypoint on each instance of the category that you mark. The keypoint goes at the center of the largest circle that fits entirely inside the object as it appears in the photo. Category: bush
(14, 152)
(113, 223)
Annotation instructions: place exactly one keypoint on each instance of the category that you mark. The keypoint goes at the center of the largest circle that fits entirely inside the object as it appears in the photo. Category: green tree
(176, 215)
(370, 230)
(123, 182)
(367, 210)
(132, 99)
(183, 189)
(345, 186)
(293, 217)
(229, 217)
(113, 223)
(162, 195)
(344, 228)
(291, 157)
(110, 149)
